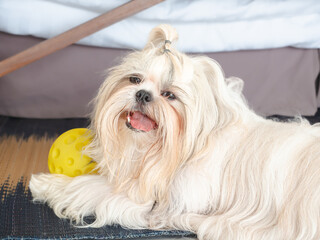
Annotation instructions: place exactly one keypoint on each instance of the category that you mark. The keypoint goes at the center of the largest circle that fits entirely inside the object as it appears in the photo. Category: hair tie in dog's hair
(165, 45)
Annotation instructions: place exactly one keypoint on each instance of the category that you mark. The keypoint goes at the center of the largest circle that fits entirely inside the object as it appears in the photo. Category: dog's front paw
(70, 197)
(42, 186)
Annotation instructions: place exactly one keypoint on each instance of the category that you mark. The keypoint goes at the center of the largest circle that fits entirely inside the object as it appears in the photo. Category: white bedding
(203, 25)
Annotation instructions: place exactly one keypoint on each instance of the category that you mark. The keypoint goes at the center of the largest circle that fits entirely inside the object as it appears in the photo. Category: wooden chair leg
(73, 35)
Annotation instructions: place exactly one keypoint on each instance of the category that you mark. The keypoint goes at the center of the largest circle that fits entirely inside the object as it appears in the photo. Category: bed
(273, 47)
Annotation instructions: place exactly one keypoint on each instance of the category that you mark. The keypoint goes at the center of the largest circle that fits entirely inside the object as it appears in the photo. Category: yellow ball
(66, 157)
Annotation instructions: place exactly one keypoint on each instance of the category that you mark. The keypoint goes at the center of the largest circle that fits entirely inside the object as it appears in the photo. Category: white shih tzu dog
(178, 148)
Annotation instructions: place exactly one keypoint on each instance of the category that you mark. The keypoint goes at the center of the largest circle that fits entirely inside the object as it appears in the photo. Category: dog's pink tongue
(142, 122)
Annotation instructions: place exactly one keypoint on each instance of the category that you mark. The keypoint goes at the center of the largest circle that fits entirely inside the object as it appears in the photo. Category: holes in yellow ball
(80, 146)
(90, 169)
(77, 172)
(59, 170)
(55, 153)
(86, 158)
(70, 161)
(70, 139)
(52, 168)
(81, 131)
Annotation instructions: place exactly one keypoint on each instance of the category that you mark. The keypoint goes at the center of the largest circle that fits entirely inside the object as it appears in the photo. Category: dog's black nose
(143, 96)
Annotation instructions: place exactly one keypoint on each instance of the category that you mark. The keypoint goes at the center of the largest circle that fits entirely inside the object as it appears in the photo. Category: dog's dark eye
(168, 95)
(135, 80)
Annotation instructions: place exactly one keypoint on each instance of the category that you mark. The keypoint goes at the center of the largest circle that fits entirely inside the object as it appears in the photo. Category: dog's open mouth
(140, 122)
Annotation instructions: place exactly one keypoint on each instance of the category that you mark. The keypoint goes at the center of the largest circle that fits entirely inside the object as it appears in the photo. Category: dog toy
(66, 157)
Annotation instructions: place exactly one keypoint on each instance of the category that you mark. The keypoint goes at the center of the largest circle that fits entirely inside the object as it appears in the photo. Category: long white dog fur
(189, 154)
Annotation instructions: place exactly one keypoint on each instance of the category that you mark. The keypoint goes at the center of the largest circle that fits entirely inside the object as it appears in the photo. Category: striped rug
(24, 148)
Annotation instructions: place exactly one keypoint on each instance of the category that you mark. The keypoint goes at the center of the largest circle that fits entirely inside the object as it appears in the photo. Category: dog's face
(156, 111)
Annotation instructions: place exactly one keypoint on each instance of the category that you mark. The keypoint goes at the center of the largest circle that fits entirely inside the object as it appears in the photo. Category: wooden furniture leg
(73, 35)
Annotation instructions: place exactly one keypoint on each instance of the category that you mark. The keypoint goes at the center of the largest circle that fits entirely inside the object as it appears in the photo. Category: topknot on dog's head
(162, 37)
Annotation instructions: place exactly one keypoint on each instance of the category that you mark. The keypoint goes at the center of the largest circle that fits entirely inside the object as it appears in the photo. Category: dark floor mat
(21, 218)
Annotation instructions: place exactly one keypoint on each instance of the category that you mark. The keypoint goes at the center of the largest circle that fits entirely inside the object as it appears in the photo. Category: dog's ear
(236, 84)
(227, 93)
(162, 36)
(215, 77)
